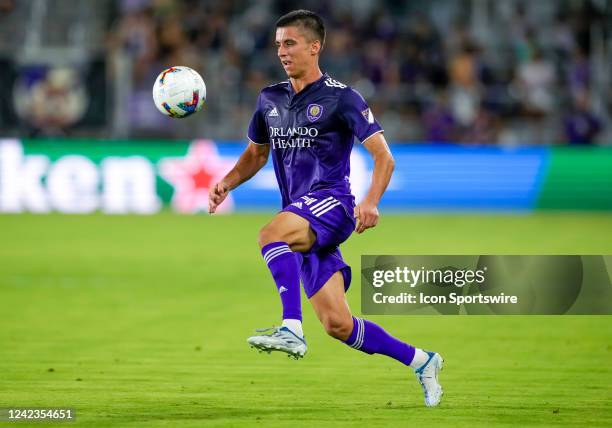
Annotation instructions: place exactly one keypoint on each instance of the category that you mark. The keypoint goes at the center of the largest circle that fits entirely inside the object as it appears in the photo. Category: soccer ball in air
(179, 92)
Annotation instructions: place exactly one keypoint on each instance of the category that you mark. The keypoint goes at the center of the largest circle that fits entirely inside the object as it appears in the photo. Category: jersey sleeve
(258, 132)
(356, 114)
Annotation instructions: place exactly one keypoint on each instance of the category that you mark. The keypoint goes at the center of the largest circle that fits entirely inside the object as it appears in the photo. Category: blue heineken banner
(138, 176)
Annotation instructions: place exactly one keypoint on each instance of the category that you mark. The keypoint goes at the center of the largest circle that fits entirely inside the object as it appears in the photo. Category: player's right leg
(333, 311)
(286, 233)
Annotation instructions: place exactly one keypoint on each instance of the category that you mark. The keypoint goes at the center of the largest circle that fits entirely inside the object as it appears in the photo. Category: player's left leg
(333, 311)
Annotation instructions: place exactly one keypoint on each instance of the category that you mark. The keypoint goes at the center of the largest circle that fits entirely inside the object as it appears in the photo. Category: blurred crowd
(424, 73)
(510, 72)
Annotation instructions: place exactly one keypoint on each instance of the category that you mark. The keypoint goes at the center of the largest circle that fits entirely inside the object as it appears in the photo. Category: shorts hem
(346, 276)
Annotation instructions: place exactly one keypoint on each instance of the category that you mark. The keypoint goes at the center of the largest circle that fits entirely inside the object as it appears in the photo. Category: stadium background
(498, 114)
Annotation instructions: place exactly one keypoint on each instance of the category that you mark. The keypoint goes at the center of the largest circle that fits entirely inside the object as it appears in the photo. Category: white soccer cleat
(427, 375)
(279, 339)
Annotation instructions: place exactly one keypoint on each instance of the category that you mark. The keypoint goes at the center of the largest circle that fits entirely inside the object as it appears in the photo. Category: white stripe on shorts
(318, 204)
(329, 207)
(323, 206)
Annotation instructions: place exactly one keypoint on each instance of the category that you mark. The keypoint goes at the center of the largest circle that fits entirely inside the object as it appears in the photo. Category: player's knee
(338, 327)
(266, 235)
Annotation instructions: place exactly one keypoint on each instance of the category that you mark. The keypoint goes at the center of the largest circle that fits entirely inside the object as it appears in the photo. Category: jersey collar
(307, 88)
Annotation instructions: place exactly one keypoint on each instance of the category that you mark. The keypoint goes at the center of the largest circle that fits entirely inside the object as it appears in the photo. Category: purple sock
(286, 273)
(373, 339)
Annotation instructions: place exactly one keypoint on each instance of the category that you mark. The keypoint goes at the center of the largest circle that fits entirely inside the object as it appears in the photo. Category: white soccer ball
(179, 92)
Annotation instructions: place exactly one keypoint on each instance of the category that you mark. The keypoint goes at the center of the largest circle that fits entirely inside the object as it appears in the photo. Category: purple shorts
(332, 222)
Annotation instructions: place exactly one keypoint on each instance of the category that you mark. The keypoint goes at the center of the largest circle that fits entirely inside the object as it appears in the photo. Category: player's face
(296, 53)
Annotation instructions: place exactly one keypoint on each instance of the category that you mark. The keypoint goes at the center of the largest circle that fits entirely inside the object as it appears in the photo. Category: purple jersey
(311, 135)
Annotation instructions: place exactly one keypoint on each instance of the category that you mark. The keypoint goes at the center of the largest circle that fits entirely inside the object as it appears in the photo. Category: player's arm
(252, 160)
(366, 212)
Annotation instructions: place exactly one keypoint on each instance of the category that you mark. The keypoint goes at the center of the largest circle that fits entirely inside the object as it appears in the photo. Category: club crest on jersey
(314, 112)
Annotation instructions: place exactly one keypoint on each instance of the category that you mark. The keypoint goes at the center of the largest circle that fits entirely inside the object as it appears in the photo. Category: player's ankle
(294, 325)
(419, 359)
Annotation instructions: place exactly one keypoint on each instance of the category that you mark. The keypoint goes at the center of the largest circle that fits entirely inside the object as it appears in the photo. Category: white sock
(420, 358)
(294, 325)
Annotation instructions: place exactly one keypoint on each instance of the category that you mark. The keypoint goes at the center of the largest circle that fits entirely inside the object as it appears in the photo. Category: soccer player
(308, 123)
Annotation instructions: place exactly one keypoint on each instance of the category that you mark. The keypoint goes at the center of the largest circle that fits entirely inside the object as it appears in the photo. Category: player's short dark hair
(306, 19)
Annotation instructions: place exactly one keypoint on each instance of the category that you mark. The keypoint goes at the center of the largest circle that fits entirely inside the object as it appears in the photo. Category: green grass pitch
(142, 321)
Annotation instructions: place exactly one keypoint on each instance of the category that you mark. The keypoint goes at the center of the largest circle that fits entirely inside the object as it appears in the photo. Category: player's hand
(216, 195)
(367, 215)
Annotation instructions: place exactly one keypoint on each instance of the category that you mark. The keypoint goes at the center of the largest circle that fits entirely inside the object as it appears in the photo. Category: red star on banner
(192, 175)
